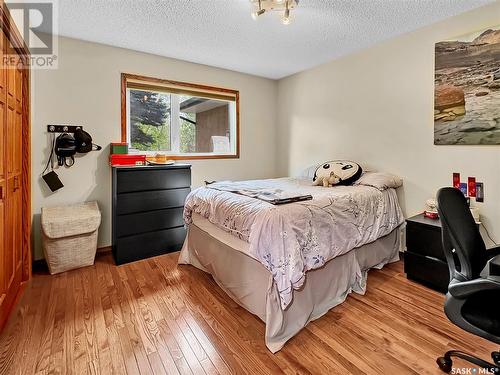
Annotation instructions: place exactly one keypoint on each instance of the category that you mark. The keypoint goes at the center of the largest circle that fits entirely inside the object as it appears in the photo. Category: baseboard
(104, 249)
(39, 265)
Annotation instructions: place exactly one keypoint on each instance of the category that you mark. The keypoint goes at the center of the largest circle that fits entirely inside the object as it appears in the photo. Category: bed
(290, 264)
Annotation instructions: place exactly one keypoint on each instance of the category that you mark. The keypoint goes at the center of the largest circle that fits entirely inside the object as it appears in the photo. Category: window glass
(150, 115)
(180, 122)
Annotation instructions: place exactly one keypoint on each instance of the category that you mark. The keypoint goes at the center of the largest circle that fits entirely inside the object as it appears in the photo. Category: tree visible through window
(188, 132)
(150, 120)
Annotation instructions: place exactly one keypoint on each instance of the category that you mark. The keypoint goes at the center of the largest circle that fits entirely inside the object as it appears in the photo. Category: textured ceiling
(221, 32)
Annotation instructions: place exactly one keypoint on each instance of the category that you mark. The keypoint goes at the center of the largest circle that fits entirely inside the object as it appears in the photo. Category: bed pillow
(337, 172)
(308, 173)
(380, 180)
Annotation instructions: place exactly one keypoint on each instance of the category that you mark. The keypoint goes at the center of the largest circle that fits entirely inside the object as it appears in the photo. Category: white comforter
(293, 238)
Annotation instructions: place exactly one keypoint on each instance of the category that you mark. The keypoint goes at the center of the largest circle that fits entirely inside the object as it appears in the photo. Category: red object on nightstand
(123, 159)
(431, 215)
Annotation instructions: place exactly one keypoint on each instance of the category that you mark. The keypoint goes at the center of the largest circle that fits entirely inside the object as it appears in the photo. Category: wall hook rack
(63, 128)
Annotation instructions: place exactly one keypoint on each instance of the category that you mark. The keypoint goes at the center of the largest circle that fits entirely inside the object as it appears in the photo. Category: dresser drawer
(431, 272)
(424, 240)
(128, 249)
(149, 221)
(150, 200)
(154, 179)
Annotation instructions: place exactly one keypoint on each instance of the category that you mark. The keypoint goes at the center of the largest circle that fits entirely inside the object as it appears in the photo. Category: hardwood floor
(152, 317)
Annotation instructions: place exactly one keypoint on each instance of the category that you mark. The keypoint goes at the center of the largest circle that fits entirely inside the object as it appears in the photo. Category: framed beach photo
(467, 89)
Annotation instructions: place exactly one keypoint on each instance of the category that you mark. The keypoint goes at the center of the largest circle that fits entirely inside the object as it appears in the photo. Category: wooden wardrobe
(15, 189)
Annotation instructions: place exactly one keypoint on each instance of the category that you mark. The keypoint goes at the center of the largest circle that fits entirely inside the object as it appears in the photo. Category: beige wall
(376, 106)
(85, 90)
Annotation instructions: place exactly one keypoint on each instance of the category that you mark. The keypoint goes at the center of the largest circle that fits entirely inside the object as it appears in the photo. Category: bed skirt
(251, 285)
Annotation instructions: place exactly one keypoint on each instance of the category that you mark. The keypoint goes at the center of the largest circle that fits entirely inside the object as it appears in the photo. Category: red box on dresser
(127, 159)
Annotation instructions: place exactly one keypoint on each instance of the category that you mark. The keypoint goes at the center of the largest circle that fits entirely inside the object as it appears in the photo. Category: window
(183, 120)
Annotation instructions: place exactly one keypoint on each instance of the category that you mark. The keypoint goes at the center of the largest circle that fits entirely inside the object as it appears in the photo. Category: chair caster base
(444, 364)
(496, 358)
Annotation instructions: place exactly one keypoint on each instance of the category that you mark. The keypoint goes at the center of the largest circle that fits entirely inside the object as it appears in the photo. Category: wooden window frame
(126, 77)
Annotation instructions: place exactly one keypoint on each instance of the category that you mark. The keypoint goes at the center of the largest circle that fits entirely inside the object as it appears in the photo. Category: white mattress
(219, 234)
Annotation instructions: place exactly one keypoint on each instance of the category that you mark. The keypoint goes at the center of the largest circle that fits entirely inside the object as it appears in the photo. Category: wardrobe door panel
(18, 146)
(18, 149)
(14, 122)
(10, 267)
(17, 235)
(3, 247)
(11, 87)
(15, 198)
(12, 219)
(10, 138)
(3, 93)
(10, 225)
(3, 77)
(19, 90)
(11, 126)
(3, 135)
(3, 172)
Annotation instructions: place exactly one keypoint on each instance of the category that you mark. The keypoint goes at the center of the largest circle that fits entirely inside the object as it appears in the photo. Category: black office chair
(473, 298)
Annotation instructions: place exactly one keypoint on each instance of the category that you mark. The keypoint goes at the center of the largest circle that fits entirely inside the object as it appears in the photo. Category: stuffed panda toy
(337, 172)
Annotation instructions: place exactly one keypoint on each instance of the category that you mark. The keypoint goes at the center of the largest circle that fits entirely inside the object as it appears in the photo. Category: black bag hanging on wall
(83, 141)
(65, 149)
(51, 178)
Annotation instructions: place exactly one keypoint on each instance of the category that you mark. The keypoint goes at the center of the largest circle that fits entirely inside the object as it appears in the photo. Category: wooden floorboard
(154, 317)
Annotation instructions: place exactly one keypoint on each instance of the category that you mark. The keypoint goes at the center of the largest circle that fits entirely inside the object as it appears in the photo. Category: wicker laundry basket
(69, 235)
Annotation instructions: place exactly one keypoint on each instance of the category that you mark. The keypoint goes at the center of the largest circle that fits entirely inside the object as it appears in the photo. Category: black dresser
(424, 259)
(148, 204)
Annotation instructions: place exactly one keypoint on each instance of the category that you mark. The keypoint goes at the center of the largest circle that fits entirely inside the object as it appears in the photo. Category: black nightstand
(424, 259)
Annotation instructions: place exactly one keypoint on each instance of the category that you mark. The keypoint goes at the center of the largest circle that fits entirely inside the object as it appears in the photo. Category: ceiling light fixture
(285, 6)
(259, 11)
(285, 20)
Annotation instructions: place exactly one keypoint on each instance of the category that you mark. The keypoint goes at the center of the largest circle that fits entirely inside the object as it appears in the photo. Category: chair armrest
(492, 269)
(493, 252)
(466, 288)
